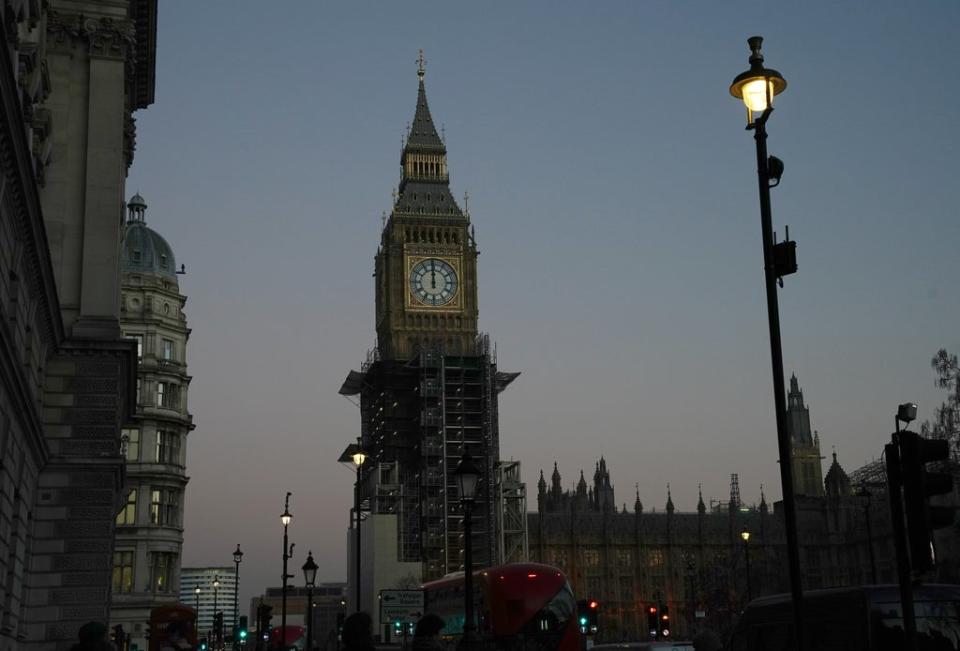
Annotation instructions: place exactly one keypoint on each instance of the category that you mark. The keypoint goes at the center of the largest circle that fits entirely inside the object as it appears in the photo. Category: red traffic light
(593, 604)
(653, 609)
(664, 617)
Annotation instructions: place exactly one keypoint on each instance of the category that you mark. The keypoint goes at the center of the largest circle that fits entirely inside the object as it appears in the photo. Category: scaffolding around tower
(418, 417)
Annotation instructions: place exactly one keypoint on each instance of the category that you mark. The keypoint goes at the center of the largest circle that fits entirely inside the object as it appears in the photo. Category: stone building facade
(71, 75)
(696, 561)
(149, 537)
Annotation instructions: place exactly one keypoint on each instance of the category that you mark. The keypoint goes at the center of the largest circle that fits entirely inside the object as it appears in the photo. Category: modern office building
(216, 594)
(149, 534)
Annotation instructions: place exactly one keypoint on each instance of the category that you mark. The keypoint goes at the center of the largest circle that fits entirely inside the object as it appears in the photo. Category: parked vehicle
(865, 618)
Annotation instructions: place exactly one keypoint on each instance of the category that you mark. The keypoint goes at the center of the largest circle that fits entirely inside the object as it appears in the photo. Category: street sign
(401, 605)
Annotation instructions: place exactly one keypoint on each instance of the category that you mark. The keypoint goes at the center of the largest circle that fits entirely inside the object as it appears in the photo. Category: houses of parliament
(697, 562)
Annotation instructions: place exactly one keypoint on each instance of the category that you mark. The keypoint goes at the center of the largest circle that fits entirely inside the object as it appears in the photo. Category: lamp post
(757, 88)
(309, 576)
(357, 455)
(467, 475)
(237, 557)
(216, 594)
(196, 593)
(285, 519)
(745, 536)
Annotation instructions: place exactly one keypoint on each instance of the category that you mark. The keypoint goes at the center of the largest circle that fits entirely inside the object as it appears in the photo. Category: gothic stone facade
(696, 561)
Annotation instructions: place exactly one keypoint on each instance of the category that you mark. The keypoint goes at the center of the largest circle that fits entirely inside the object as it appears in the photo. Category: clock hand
(433, 277)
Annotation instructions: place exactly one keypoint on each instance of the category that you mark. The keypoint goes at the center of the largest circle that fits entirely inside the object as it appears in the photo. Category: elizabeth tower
(428, 392)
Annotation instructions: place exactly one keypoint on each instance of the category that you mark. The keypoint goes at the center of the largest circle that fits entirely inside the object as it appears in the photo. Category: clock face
(433, 282)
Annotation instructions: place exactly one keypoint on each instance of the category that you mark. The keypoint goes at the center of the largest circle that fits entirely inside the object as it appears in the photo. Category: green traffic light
(243, 635)
(583, 620)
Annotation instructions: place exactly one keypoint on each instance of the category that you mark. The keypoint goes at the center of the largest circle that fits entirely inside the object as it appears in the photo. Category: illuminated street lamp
(216, 593)
(356, 454)
(757, 87)
(745, 535)
(285, 519)
(309, 577)
(237, 557)
(196, 593)
(467, 475)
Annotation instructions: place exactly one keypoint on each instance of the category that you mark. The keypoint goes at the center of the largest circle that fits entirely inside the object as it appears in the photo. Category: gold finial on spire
(420, 63)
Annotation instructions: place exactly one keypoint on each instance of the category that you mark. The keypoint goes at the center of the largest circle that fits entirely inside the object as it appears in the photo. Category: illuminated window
(128, 514)
(161, 570)
(164, 507)
(122, 572)
(655, 558)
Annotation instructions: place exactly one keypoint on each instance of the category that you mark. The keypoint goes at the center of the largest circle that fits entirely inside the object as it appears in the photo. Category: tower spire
(421, 70)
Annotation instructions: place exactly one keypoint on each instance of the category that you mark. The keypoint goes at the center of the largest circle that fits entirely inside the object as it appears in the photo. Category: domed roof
(145, 250)
(136, 201)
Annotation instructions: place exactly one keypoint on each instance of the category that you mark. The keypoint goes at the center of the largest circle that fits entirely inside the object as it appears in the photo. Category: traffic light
(397, 627)
(664, 621)
(203, 644)
(587, 616)
(265, 613)
(653, 622)
(242, 629)
(340, 617)
(919, 484)
(582, 618)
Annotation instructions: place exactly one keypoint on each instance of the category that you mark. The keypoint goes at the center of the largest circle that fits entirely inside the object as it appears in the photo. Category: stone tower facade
(805, 448)
(429, 391)
(426, 266)
(146, 557)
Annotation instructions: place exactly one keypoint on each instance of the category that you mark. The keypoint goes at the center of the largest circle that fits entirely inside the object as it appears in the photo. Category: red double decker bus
(517, 606)
(173, 628)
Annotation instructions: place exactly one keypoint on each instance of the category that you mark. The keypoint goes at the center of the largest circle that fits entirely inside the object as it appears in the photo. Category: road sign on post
(403, 606)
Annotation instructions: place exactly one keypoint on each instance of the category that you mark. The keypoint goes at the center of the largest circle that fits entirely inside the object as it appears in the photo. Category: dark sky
(613, 190)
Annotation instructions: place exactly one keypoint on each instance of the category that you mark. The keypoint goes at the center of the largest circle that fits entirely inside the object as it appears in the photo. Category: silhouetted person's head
(358, 631)
(429, 625)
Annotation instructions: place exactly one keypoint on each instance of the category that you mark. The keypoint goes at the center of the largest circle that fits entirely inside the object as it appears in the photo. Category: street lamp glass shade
(237, 555)
(309, 570)
(286, 518)
(196, 590)
(359, 457)
(216, 583)
(467, 474)
(756, 92)
(745, 535)
(757, 86)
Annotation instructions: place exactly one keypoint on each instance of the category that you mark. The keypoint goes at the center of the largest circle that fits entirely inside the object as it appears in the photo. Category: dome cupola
(144, 250)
